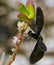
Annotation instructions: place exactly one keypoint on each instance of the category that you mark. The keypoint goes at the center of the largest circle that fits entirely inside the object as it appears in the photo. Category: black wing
(38, 52)
(39, 20)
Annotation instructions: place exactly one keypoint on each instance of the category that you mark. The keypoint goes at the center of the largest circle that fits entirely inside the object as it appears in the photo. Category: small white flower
(21, 26)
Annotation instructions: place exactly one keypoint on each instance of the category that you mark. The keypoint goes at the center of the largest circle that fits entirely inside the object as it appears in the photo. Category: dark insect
(40, 47)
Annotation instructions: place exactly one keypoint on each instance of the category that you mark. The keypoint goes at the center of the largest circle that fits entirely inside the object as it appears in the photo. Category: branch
(21, 28)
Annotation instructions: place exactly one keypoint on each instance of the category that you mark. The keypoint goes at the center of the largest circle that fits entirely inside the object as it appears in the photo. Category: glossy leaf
(28, 11)
(30, 8)
(24, 18)
(22, 9)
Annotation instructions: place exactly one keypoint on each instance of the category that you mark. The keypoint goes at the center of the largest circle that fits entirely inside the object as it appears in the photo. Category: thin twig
(12, 58)
(21, 30)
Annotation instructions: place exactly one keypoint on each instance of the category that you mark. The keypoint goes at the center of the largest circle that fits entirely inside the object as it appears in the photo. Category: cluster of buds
(21, 26)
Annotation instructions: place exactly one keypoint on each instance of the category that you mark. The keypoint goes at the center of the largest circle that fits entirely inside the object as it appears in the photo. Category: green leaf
(24, 18)
(26, 13)
(22, 9)
(30, 8)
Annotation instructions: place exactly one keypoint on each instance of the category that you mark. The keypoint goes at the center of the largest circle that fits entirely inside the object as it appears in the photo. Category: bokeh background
(8, 17)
